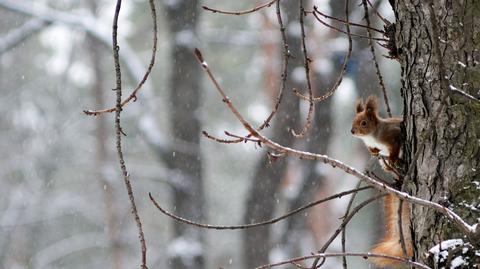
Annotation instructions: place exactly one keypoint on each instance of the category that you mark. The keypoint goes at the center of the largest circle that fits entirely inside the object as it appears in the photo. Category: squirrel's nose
(352, 131)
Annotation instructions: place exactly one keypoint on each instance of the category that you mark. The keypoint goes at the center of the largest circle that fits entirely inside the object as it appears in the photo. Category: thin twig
(253, 225)
(467, 229)
(342, 72)
(375, 9)
(364, 255)
(306, 63)
(221, 140)
(286, 56)
(388, 166)
(133, 95)
(268, 4)
(374, 58)
(351, 23)
(119, 132)
(341, 31)
(342, 226)
(344, 231)
(245, 139)
(377, 177)
(299, 265)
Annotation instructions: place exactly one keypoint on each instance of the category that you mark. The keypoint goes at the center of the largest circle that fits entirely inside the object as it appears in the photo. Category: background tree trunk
(439, 47)
(184, 100)
(263, 193)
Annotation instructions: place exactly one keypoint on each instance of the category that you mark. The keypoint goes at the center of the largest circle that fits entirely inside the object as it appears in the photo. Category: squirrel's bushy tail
(390, 244)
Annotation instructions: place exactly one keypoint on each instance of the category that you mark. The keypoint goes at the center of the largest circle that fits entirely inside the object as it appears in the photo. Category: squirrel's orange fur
(390, 244)
(383, 136)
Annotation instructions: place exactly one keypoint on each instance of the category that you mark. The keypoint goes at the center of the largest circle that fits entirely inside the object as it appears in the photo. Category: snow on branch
(286, 56)
(243, 12)
(468, 230)
(364, 255)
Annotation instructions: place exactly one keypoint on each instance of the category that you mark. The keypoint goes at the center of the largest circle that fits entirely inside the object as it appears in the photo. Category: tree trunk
(184, 101)
(313, 181)
(263, 194)
(438, 44)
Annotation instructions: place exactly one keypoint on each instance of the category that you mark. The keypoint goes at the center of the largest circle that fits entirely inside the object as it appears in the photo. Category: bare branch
(364, 255)
(220, 140)
(374, 58)
(253, 225)
(342, 226)
(268, 4)
(306, 63)
(351, 23)
(375, 10)
(243, 138)
(133, 95)
(465, 227)
(344, 66)
(315, 14)
(285, 56)
(119, 132)
(344, 231)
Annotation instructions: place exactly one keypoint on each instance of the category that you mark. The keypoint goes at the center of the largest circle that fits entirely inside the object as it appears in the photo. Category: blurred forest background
(63, 202)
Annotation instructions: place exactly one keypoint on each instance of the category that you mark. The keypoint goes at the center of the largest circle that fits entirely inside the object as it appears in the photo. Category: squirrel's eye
(363, 123)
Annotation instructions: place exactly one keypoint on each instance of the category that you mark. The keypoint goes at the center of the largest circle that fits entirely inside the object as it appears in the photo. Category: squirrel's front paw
(374, 151)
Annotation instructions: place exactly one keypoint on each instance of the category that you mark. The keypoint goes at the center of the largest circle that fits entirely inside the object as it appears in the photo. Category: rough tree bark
(438, 43)
(182, 18)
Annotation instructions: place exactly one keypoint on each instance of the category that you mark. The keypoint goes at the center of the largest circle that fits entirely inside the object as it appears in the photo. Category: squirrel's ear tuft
(371, 104)
(359, 106)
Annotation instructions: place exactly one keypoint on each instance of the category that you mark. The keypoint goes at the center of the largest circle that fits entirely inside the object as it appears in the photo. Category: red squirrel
(383, 136)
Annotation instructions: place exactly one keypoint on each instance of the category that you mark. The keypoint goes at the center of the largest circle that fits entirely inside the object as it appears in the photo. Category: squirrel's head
(366, 118)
